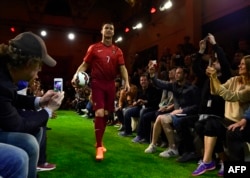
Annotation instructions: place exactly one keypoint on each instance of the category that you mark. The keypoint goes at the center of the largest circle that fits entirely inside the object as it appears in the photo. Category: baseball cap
(31, 44)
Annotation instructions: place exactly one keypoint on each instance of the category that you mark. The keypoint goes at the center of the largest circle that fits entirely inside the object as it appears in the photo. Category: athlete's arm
(83, 67)
(124, 74)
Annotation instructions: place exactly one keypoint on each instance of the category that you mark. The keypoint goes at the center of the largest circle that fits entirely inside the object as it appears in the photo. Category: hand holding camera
(51, 100)
(55, 101)
(211, 72)
(46, 97)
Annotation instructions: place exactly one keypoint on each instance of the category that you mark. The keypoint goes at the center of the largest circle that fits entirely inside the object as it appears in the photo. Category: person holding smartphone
(106, 60)
(235, 92)
(21, 59)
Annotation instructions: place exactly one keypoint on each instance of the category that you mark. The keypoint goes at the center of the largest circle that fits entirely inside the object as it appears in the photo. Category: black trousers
(235, 142)
(213, 127)
(185, 134)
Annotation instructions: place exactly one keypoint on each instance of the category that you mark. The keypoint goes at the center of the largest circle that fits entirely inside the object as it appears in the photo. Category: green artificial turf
(71, 147)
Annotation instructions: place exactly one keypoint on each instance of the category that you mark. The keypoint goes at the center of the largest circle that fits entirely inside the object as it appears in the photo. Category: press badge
(209, 103)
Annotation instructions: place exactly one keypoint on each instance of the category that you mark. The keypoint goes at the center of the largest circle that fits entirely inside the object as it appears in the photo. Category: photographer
(22, 59)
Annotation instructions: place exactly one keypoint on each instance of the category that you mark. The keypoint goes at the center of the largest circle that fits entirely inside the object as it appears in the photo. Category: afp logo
(236, 169)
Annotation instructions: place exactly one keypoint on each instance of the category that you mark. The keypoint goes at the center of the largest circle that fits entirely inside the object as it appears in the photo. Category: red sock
(99, 130)
(105, 120)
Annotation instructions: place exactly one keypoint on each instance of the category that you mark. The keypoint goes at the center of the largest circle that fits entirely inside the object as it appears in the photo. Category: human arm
(214, 81)
(157, 82)
(166, 108)
(225, 67)
(229, 92)
(242, 123)
(124, 74)
(199, 66)
(11, 120)
(50, 101)
(177, 111)
(82, 68)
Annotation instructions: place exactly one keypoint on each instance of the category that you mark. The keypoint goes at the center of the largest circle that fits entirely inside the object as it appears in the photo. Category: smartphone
(58, 84)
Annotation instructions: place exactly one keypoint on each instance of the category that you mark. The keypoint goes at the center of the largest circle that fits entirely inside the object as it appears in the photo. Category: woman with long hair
(236, 93)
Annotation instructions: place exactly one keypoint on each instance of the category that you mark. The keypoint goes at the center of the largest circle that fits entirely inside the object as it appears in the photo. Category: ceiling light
(71, 36)
(153, 10)
(43, 33)
(138, 26)
(126, 30)
(119, 39)
(12, 29)
(166, 5)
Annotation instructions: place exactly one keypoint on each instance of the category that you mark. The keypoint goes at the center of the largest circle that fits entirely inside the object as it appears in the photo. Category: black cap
(31, 44)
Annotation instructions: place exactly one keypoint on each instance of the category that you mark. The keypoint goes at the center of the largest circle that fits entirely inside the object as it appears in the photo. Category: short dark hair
(145, 74)
(104, 23)
(185, 69)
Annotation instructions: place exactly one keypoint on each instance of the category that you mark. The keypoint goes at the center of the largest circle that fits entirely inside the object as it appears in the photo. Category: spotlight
(138, 26)
(166, 5)
(126, 30)
(43, 33)
(12, 29)
(119, 39)
(71, 36)
(153, 10)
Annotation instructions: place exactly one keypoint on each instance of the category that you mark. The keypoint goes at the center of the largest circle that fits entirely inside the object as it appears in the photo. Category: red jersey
(104, 61)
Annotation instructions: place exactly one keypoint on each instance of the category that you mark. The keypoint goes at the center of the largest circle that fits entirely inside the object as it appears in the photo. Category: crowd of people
(207, 104)
(194, 95)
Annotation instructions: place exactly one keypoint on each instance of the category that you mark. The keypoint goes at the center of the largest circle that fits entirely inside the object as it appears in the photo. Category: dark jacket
(152, 95)
(217, 106)
(11, 102)
(186, 97)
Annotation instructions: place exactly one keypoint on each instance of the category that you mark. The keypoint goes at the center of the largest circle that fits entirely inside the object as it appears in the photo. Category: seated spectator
(237, 134)
(81, 99)
(236, 93)
(146, 101)
(182, 92)
(35, 90)
(165, 106)
(125, 101)
(210, 105)
(21, 59)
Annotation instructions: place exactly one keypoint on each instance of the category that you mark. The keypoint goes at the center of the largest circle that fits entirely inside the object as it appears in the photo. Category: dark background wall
(228, 20)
